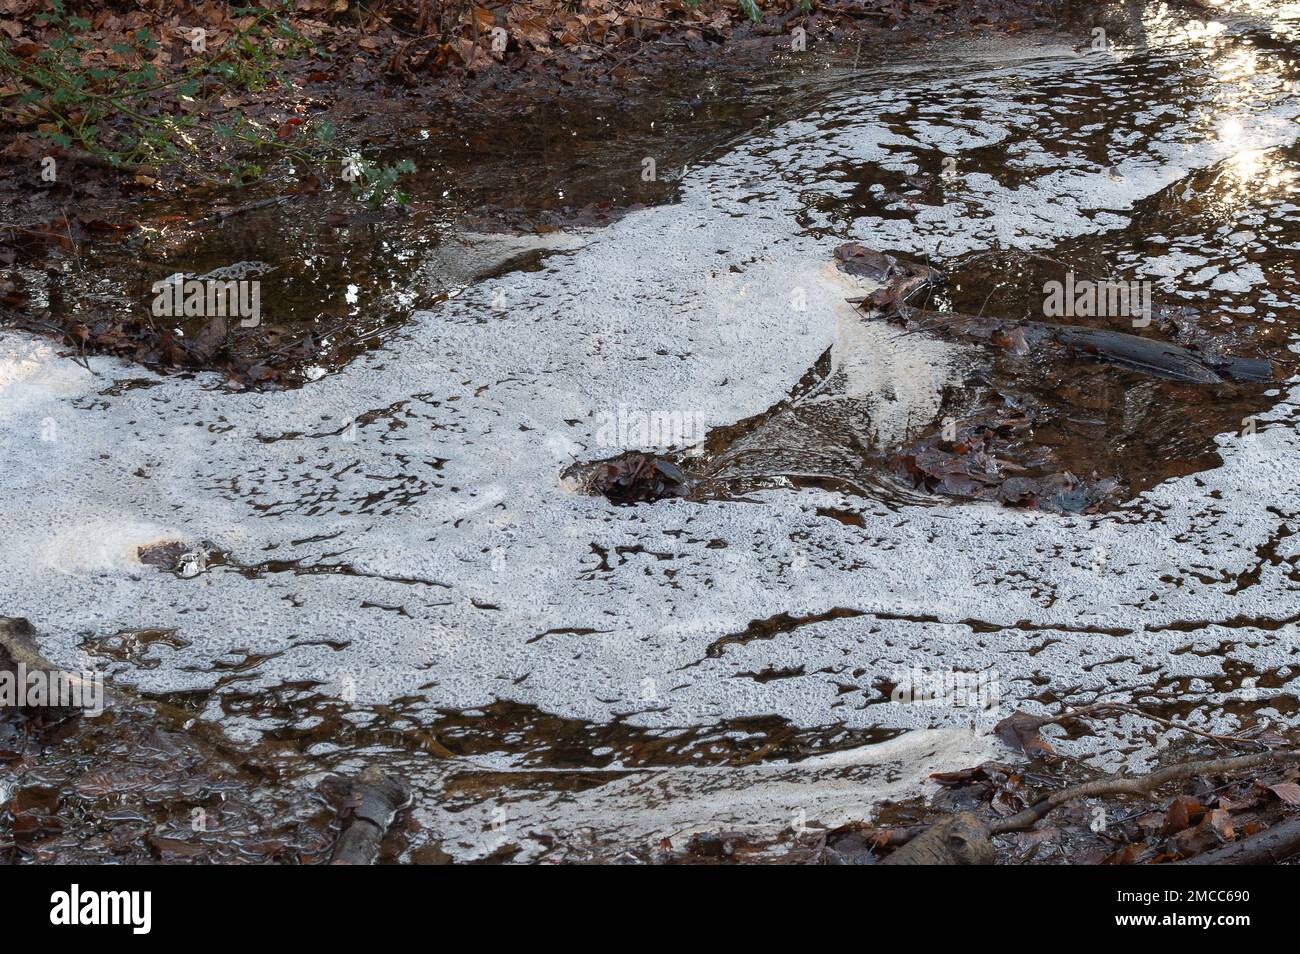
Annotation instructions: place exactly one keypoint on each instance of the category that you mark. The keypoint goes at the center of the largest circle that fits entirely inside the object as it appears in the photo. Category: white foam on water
(762, 803)
(463, 550)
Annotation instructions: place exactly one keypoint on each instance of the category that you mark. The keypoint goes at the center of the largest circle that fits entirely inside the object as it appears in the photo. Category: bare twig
(219, 217)
(1099, 707)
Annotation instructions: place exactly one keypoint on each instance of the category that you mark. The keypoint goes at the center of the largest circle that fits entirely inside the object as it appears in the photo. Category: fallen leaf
(1289, 792)
(1020, 731)
(1221, 821)
(1193, 841)
(1180, 813)
(1128, 855)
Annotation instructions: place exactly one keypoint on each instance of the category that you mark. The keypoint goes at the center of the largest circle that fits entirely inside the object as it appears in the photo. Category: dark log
(1269, 847)
(1157, 357)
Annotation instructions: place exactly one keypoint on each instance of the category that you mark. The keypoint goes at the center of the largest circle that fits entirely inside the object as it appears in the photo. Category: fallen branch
(1149, 355)
(371, 801)
(1271, 846)
(219, 217)
(1098, 707)
(1142, 787)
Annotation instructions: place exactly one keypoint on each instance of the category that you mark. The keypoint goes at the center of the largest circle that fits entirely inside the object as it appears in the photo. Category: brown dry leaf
(1193, 841)
(1020, 731)
(210, 339)
(1181, 813)
(1127, 855)
(1151, 823)
(1247, 799)
(961, 777)
(465, 49)
(1289, 792)
(532, 29)
(1221, 821)
(1031, 839)
(486, 21)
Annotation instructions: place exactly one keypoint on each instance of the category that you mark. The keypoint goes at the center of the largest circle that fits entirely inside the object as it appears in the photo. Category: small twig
(78, 355)
(220, 217)
(29, 231)
(1087, 710)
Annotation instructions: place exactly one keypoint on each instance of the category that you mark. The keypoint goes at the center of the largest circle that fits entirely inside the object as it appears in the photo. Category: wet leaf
(1128, 855)
(1193, 841)
(1289, 792)
(1221, 821)
(1182, 811)
(1020, 730)
(635, 478)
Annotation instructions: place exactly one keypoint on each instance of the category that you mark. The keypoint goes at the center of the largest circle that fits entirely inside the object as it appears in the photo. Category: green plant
(375, 184)
(108, 106)
(76, 93)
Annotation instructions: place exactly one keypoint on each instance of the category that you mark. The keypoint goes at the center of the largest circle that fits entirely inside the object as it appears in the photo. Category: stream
(390, 564)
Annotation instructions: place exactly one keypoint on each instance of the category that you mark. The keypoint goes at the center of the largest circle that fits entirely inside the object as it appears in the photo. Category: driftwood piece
(1158, 357)
(960, 839)
(18, 648)
(1269, 847)
(1149, 355)
(370, 803)
(900, 279)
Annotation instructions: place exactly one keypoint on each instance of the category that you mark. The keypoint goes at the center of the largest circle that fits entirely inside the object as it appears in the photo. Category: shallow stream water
(393, 570)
